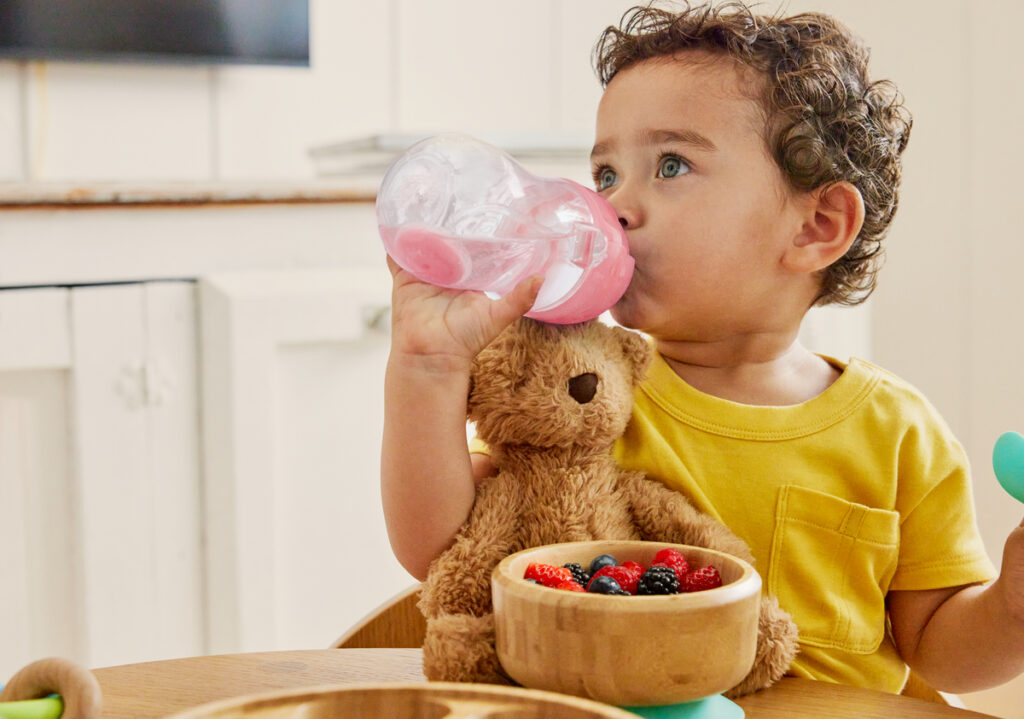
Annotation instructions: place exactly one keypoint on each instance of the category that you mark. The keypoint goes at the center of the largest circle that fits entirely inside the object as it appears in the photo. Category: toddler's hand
(446, 328)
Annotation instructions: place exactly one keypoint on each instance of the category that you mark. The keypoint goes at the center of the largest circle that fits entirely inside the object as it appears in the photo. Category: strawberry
(698, 580)
(548, 575)
(571, 586)
(671, 558)
(625, 576)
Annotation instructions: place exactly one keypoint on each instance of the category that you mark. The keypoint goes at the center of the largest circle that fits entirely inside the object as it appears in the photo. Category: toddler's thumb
(521, 299)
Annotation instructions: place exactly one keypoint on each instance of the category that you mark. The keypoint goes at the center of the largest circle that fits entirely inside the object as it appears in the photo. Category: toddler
(755, 168)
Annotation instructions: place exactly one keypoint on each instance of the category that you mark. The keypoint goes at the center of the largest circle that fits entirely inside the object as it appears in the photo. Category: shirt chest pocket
(831, 564)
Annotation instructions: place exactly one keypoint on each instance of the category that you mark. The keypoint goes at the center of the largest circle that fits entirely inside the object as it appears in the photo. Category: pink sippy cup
(457, 212)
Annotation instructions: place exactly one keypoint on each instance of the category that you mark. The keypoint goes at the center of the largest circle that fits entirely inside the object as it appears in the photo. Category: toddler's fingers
(519, 301)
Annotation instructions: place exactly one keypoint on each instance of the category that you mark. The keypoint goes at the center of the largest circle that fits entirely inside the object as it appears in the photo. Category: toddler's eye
(671, 166)
(605, 177)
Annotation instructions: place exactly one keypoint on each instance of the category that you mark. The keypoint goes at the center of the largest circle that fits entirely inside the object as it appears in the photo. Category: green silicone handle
(48, 708)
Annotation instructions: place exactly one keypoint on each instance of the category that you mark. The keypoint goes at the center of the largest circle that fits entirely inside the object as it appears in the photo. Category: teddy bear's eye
(582, 388)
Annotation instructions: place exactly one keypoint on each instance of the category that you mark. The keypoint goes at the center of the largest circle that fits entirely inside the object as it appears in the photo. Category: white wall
(397, 66)
(944, 316)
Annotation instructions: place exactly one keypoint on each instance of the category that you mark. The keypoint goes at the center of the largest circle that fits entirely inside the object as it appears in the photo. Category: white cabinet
(293, 370)
(190, 465)
(99, 472)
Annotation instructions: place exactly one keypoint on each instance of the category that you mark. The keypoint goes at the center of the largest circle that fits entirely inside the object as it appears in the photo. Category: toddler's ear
(835, 216)
(637, 351)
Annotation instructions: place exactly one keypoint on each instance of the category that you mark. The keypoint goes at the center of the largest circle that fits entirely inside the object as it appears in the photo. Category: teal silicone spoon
(1008, 463)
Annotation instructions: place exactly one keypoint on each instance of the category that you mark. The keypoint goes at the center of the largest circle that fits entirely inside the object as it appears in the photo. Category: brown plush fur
(557, 482)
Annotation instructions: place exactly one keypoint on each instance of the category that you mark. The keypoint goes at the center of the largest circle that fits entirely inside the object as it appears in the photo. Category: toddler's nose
(627, 208)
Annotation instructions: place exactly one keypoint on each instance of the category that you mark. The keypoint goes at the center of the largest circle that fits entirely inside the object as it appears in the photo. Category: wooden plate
(435, 700)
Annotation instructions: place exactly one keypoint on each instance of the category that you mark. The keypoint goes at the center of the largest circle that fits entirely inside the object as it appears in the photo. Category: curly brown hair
(826, 120)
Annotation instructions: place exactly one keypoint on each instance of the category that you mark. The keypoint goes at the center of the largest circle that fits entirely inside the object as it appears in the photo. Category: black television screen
(272, 32)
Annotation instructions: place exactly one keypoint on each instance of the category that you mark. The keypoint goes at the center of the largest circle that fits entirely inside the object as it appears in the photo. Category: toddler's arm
(427, 476)
(965, 639)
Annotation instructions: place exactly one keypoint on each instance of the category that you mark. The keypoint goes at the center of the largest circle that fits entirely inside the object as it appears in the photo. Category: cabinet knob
(377, 318)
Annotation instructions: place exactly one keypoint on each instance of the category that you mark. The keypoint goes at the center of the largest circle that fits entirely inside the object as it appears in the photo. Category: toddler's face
(680, 153)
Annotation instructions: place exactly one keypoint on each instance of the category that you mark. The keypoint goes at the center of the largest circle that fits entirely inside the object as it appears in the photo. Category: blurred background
(193, 297)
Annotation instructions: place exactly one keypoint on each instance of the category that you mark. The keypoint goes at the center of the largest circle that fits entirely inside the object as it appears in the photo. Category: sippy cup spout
(457, 212)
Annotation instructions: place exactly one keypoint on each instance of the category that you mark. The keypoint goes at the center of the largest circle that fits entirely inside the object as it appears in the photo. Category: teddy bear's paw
(460, 648)
(776, 648)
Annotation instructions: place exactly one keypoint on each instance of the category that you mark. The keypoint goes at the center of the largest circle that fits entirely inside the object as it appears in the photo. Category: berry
(635, 566)
(671, 558)
(579, 574)
(571, 587)
(602, 560)
(548, 575)
(605, 585)
(626, 577)
(658, 580)
(700, 579)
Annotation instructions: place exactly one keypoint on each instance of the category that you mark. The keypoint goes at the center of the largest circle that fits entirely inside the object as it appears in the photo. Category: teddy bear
(550, 401)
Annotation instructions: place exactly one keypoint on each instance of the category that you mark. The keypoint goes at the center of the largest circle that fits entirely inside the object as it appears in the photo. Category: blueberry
(605, 585)
(534, 581)
(602, 560)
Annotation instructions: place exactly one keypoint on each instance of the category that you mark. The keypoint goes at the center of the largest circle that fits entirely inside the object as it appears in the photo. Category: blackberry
(658, 580)
(579, 574)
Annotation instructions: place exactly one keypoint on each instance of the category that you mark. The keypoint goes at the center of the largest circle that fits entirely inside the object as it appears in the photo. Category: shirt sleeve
(940, 545)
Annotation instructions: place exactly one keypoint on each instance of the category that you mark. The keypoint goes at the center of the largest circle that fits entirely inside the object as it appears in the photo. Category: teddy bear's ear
(499, 364)
(637, 350)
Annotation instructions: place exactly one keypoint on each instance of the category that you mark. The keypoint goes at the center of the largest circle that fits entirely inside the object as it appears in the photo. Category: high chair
(397, 623)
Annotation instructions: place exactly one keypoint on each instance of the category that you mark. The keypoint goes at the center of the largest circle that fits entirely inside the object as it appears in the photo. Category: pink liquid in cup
(457, 212)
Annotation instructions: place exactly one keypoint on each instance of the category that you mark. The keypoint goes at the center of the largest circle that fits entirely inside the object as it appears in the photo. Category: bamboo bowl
(627, 651)
(435, 700)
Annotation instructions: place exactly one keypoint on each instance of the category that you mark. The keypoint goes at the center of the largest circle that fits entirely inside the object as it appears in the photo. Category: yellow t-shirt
(858, 491)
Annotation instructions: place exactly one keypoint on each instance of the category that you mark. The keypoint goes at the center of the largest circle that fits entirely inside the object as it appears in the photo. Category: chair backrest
(918, 688)
(395, 624)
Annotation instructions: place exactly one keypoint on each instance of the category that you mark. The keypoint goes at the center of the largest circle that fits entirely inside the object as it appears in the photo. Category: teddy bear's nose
(583, 387)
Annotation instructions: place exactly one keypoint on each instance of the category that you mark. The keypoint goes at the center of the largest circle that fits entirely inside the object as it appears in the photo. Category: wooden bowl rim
(600, 709)
(748, 583)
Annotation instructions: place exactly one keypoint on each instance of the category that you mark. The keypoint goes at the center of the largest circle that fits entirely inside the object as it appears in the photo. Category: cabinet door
(99, 481)
(136, 462)
(292, 388)
(38, 571)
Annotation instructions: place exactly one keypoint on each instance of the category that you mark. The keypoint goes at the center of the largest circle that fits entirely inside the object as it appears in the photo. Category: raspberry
(700, 579)
(571, 587)
(635, 566)
(670, 557)
(626, 577)
(579, 574)
(548, 575)
(658, 580)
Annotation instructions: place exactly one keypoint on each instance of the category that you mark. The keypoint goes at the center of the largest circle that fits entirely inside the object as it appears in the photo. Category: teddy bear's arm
(663, 514)
(459, 580)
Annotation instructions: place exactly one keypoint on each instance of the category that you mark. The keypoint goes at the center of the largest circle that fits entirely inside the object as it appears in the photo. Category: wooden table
(156, 689)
